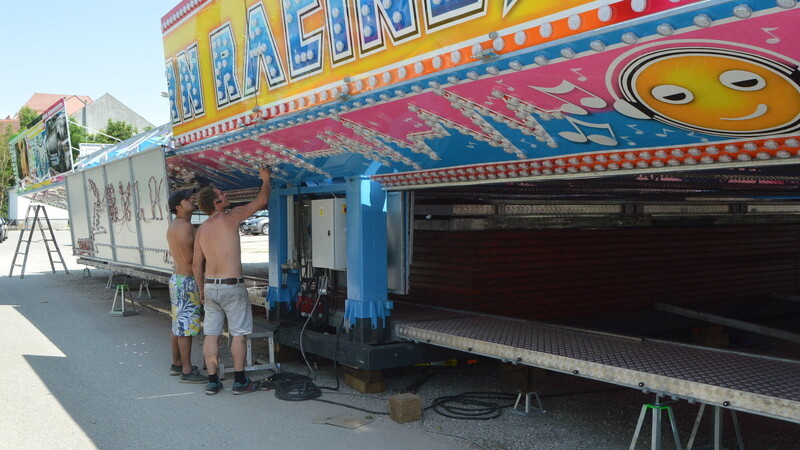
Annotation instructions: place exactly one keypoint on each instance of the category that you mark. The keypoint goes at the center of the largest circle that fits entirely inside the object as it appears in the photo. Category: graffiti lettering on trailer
(123, 215)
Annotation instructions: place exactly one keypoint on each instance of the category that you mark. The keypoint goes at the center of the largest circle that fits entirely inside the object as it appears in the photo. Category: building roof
(9, 121)
(40, 102)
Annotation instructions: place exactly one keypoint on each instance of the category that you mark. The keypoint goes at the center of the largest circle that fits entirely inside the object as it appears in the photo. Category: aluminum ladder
(49, 242)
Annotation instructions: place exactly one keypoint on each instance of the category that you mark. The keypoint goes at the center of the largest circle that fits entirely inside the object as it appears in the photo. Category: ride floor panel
(756, 384)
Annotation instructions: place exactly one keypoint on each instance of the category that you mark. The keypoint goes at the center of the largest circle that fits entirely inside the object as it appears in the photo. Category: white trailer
(119, 215)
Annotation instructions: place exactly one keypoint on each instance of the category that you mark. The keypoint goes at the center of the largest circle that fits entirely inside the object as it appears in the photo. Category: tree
(7, 178)
(78, 135)
(117, 129)
(27, 117)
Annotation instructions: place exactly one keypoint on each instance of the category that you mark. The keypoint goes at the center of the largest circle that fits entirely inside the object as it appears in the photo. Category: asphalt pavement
(76, 377)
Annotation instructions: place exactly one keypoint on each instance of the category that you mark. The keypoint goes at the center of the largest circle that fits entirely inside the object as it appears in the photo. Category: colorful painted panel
(227, 60)
(600, 89)
(43, 151)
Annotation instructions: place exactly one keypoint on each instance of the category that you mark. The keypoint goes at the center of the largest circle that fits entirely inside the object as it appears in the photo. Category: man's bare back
(218, 237)
(180, 238)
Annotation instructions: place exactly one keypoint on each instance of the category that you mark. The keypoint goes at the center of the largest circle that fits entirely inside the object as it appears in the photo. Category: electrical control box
(329, 233)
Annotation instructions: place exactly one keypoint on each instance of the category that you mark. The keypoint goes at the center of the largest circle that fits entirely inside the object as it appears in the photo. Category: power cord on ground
(472, 405)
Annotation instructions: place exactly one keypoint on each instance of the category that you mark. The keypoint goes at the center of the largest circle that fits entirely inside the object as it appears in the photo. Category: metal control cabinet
(328, 233)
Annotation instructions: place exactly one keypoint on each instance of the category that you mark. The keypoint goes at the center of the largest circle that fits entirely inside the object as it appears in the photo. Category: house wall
(96, 115)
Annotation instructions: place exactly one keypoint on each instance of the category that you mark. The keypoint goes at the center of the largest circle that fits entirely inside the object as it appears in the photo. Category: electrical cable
(472, 405)
(302, 332)
(338, 334)
(291, 386)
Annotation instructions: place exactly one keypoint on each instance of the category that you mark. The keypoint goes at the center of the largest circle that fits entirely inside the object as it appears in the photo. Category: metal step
(755, 384)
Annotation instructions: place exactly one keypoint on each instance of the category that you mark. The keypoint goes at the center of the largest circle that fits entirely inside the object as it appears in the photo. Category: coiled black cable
(292, 387)
(472, 405)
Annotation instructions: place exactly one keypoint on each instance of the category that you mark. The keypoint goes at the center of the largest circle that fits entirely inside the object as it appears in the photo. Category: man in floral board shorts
(183, 291)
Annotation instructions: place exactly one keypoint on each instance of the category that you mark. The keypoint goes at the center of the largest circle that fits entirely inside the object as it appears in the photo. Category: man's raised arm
(261, 200)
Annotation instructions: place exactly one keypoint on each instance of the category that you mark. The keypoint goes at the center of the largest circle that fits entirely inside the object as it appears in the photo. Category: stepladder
(33, 219)
(225, 364)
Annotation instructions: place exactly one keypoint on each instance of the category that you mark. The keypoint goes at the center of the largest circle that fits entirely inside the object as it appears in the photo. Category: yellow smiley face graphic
(715, 91)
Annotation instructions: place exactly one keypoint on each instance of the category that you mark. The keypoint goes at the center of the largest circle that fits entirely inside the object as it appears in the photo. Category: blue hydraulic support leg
(367, 309)
(284, 278)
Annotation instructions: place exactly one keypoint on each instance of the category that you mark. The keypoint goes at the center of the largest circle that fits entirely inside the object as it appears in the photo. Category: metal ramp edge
(755, 384)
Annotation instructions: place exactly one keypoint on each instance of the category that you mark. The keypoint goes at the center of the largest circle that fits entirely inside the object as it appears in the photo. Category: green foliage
(6, 169)
(78, 134)
(27, 117)
(116, 129)
(114, 132)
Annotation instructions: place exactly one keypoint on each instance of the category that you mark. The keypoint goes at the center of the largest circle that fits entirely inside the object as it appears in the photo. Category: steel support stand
(146, 285)
(120, 311)
(716, 429)
(529, 410)
(110, 283)
(656, 409)
(529, 394)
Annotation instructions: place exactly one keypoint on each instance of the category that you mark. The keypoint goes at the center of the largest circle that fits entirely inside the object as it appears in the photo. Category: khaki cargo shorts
(231, 301)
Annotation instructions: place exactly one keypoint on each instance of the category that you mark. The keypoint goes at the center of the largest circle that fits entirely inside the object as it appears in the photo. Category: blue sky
(85, 47)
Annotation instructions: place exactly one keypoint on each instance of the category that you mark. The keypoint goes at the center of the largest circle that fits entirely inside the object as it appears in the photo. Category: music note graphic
(581, 77)
(774, 39)
(589, 101)
(630, 142)
(581, 137)
(702, 139)
(664, 132)
(638, 131)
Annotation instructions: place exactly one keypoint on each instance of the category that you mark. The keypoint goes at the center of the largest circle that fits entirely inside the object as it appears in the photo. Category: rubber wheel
(265, 229)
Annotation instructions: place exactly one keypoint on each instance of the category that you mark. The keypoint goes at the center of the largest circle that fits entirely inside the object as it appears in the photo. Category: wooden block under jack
(364, 375)
(365, 387)
(405, 407)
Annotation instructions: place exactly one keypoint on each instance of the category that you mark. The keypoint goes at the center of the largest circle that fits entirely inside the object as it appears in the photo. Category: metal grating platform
(755, 384)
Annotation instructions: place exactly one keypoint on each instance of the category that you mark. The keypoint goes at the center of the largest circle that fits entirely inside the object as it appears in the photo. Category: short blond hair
(205, 199)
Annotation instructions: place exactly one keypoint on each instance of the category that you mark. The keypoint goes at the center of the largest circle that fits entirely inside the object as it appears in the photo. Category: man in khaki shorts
(218, 262)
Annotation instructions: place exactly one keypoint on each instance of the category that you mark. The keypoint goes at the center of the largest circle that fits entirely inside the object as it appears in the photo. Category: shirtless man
(183, 292)
(218, 261)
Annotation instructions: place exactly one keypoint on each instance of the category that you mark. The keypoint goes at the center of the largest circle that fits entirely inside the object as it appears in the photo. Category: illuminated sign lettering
(261, 54)
(397, 17)
(223, 57)
(191, 84)
(303, 48)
